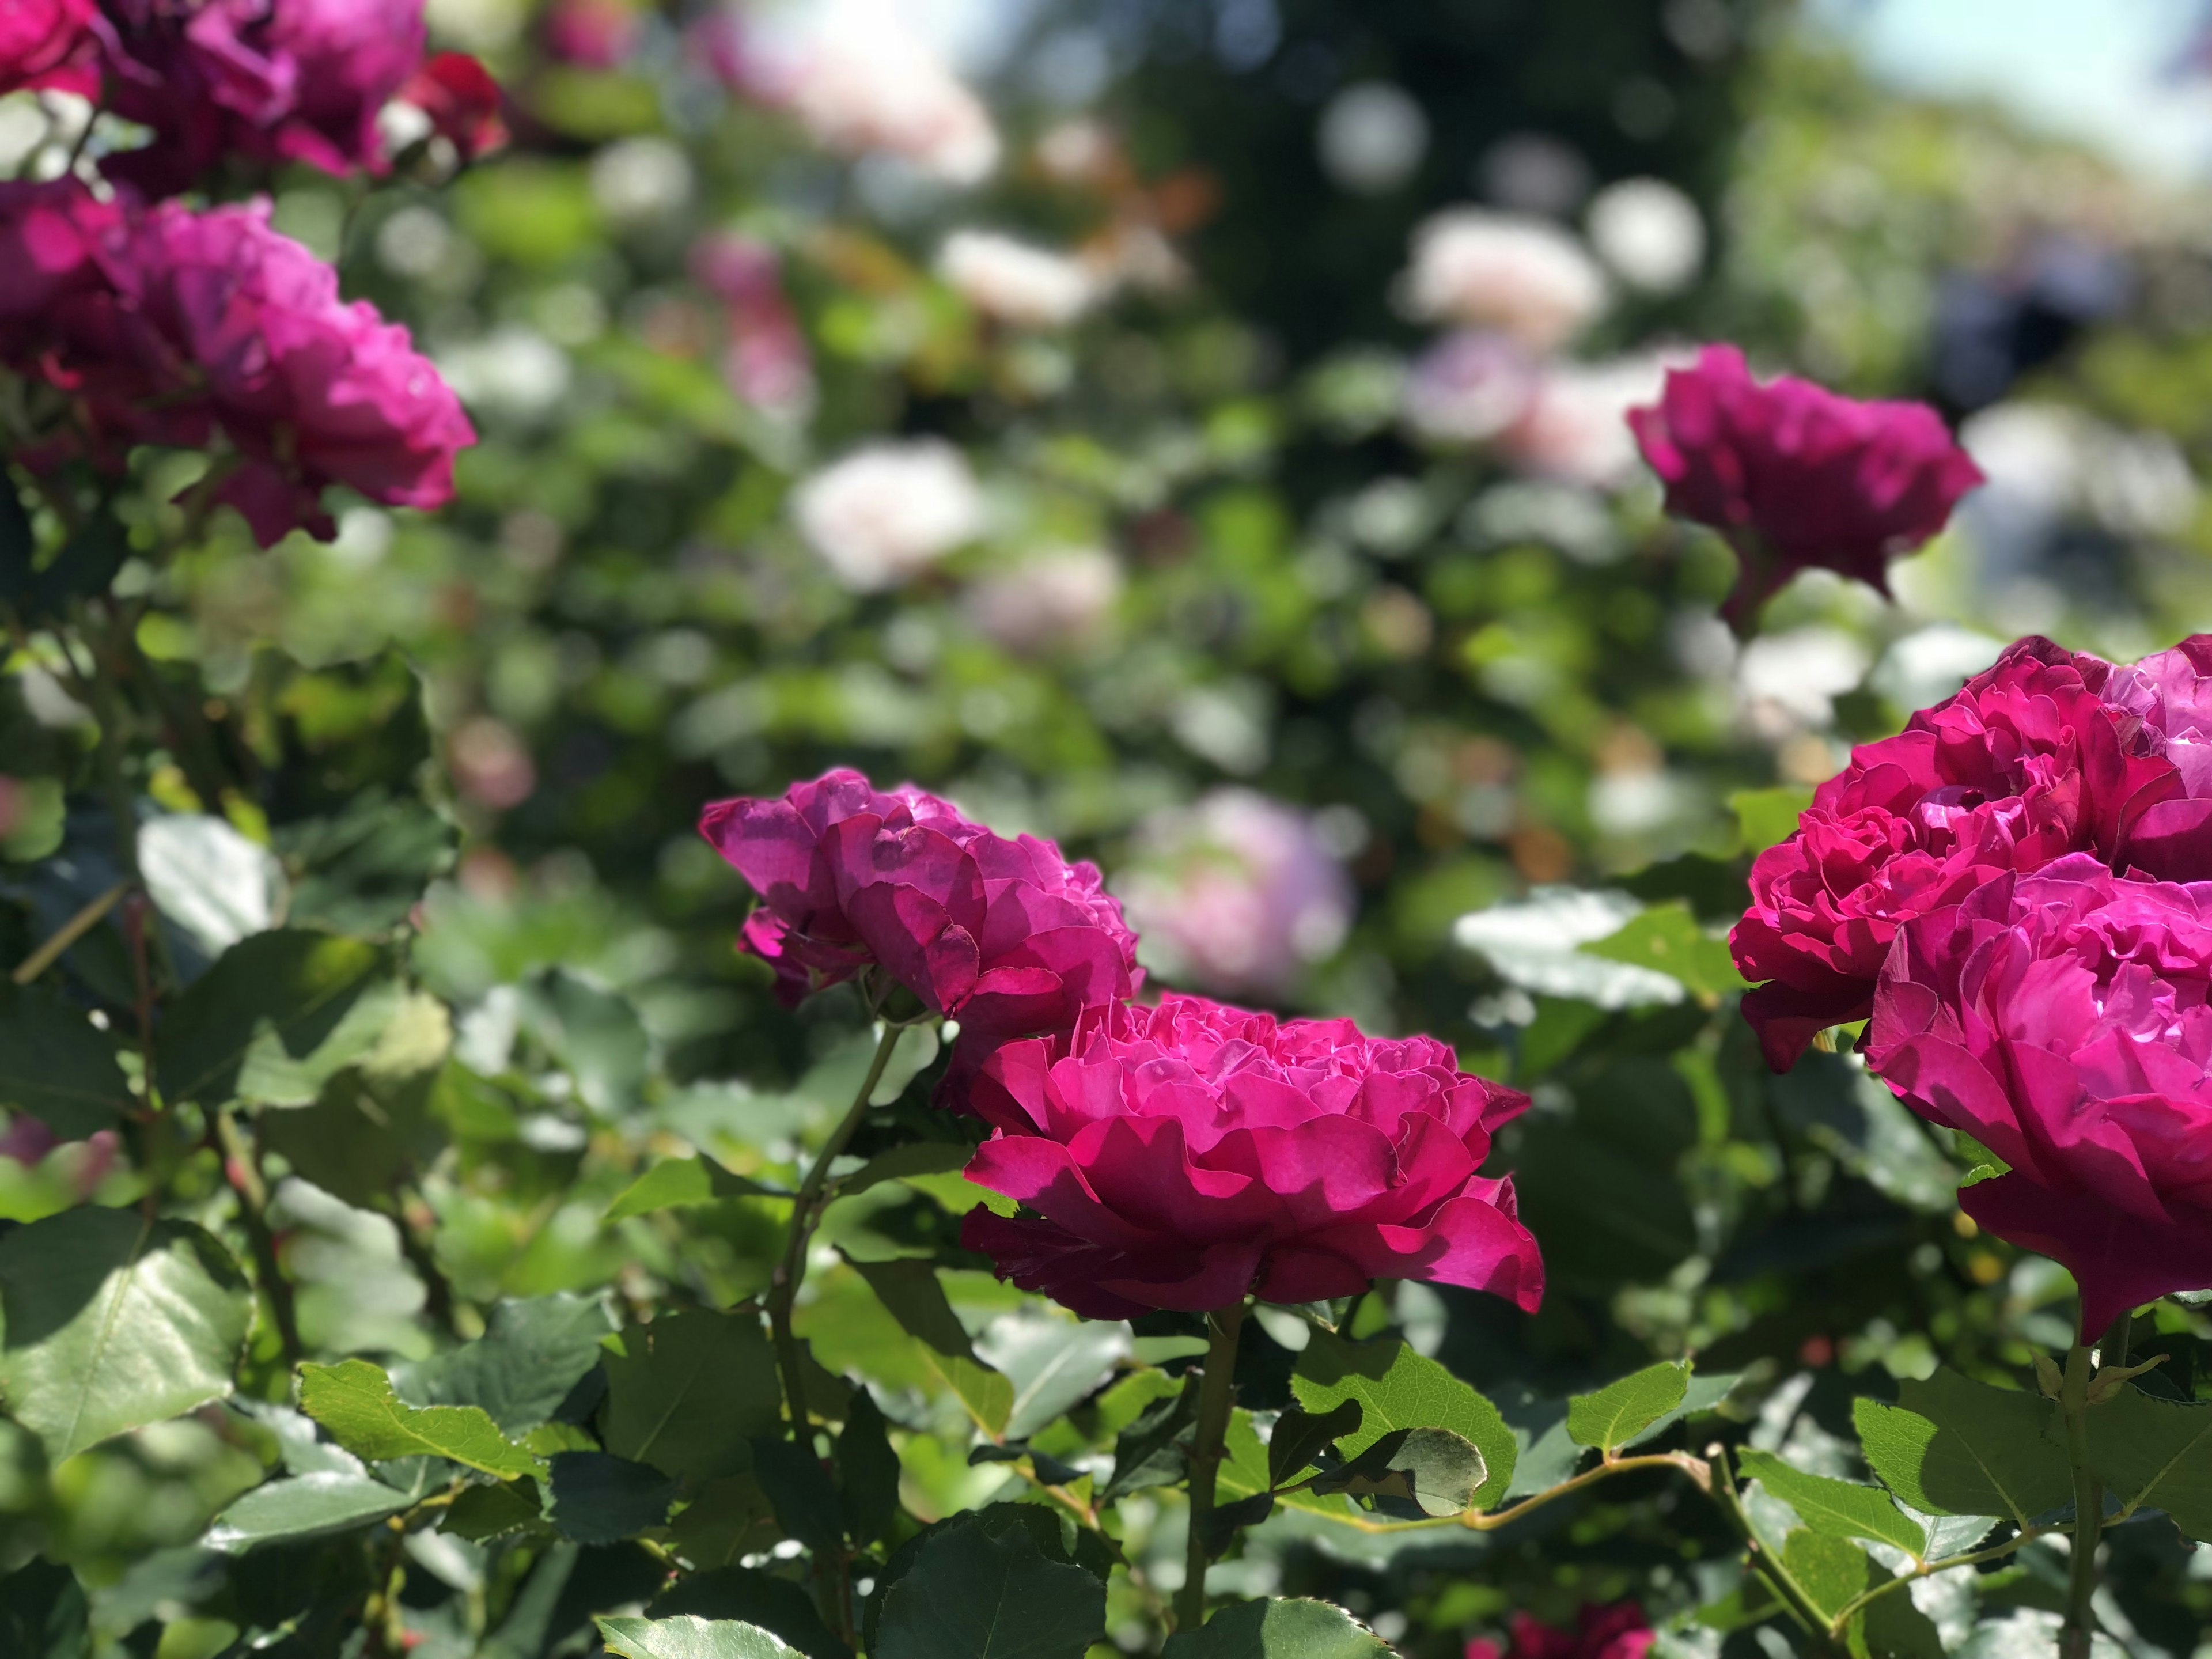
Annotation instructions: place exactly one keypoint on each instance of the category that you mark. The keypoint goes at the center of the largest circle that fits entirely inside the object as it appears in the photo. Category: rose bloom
(462, 103)
(2061, 1020)
(1052, 601)
(889, 510)
(1574, 426)
(2025, 765)
(1797, 477)
(1006, 937)
(1014, 282)
(1182, 1156)
(1236, 894)
(1523, 276)
(1468, 388)
(1620, 1631)
(41, 42)
(2171, 694)
(172, 327)
(862, 81)
(267, 80)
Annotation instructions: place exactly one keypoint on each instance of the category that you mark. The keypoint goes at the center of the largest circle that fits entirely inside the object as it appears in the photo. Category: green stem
(2079, 1633)
(1762, 1561)
(1928, 1568)
(1217, 1394)
(241, 1160)
(791, 1272)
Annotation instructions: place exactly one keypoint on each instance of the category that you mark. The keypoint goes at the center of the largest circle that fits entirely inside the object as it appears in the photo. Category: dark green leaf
(363, 868)
(275, 1019)
(1838, 1508)
(532, 1352)
(1224, 1520)
(689, 1390)
(1618, 1412)
(114, 1322)
(595, 1497)
(1054, 1532)
(302, 1506)
(776, 1604)
(911, 1290)
(678, 1183)
(480, 1514)
(354, 1400)
(1437, 1471)
(1398, 1388)
(1288, 1629)
(686, 1637)
(56, 1065)
(1153, 1450)
(1299, 1434)
(2155, 1453)
(804, 1497)
(730, 1518)
(972, 1594)
(1892, 1628)
(916, 1158)
(593, 1032)
(867, 1472)
(1953, 1446)
(43, 1613)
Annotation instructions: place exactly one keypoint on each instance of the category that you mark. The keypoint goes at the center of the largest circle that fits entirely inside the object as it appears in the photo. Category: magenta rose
(1797, 477)
(178, 328)
(1621, 1632)
(2170, 694)
(44, 43)
(1006, 937)
(265, 79)
(1180, 1157)
(2027, 763)
(2060, 1019)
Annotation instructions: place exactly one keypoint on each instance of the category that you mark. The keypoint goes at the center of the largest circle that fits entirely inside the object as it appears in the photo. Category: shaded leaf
(56, 1065)
(801, 1490)
(971, 1593)
(1153, 1450)
(731, 1517)
(1434, 1469)
(1224, 1520)
(1299, 1434)
(302, 1506)
(43, 1611)
(987, 1396)
(751, 1597)
(677, 1182)
(595, 1497)
(916, 1158)
(114, 1322)
(1398, 1388)
(1053, 1364)
(354, 1401)
(275, 1018)
(1838, 1508)
(1953, 1446)
(2155, 1453)
(532, 1354)
(911, 1291)
(480, 1514)
(1293, 1628)
(867, 1472)
(1832, 1571)
(687, 1391)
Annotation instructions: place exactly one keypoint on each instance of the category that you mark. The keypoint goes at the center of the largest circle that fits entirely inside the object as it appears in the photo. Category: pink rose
(1006, 937)
(1797, 477)
(2171, 694)
(2061, 1020)
(267, 80)
(1179, 1157)
(462, 102)
(172, 327)
(1621, 1632)
(44, 43)
(2027, 763)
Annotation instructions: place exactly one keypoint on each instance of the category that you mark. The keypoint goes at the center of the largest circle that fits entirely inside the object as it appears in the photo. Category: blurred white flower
(1528, 277)
(1015, 282)
(863, 80)
(888, 510)
(1576, 426)
(1235, 893)
(513, 371)
(1790, 681)
(1650, 233)
(637, 181)
(1058, 599)
(1468, 388)
(1371, 137)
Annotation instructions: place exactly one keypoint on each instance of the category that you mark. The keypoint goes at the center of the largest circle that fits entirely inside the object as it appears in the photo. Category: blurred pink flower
(1523, 276)
(1468, 388)
(1051, 600)
(1620, 1631)
(1235, 893)
(44, 43)
(767, 361)
(600, 34)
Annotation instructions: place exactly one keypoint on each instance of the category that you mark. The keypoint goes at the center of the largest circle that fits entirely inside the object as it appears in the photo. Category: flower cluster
(1175, 1157)
(159, 323)
(2013, 893)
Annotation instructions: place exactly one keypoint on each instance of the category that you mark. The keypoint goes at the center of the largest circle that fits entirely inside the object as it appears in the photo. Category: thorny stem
(1217, 1394)
(783, 1291)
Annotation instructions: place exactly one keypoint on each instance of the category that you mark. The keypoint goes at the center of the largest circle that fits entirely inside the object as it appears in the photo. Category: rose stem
(1216, 1393)
(2080, 1631)
(783, 1288)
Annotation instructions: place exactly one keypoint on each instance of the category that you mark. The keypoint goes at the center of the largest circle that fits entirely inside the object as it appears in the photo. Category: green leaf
(276, 1017)
(731, 1517)
(1434, 1469)
(686, 1392)
(1053, 1364)
(1290, 1628)
(480, 1514)
(594, 1033)
(43, 1611)
(806, 1501)
(2155, 1453)
(364, 866)
(915, 1296)
(1398, 1388)
(532, 1352)
(1982, 1163)
(969, 1595)
(1619, 1412)
(1299, 1434)
(1953, 1446)
(1666, 938)
(56, 1065)
(987, 1395)
(1154, 1449)
(686, 1637)
(1852, 1117)
(1769, 817)
(1832, 1571)
(916, 1158)
(776, 1604)
(1892, 1628)
(354, 1400)
(300, 1507)
(595, 1497)
(1838, 1508)
(867, 1472)
(678, 1182)
(114, 1322)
